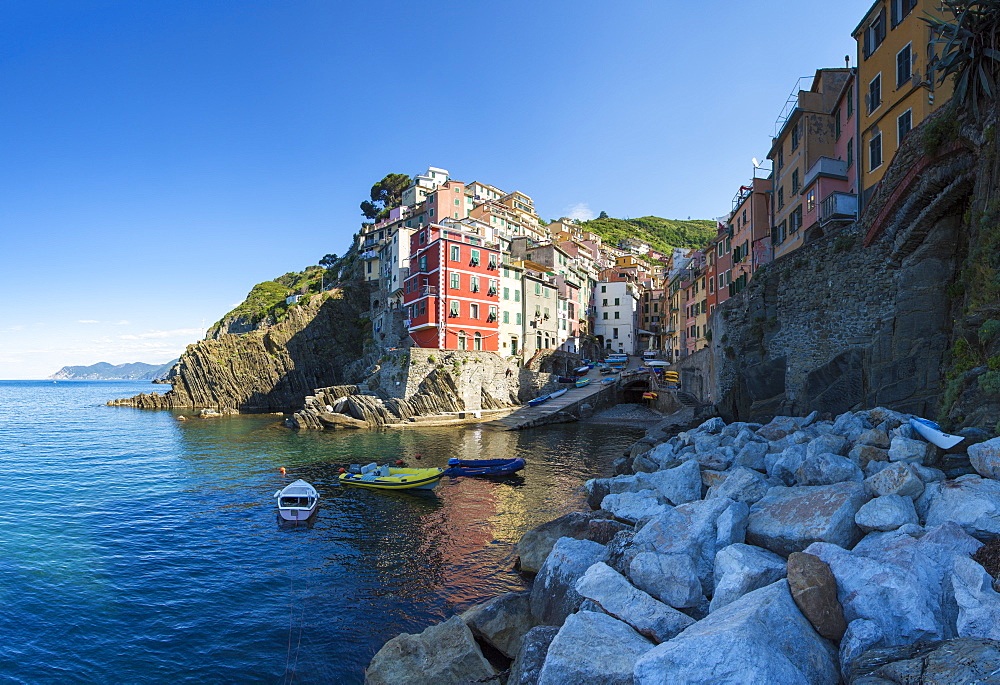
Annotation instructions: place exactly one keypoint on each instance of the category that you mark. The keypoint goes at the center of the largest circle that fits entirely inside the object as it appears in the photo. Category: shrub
(989, 382)
(843, 243)
(988, 331)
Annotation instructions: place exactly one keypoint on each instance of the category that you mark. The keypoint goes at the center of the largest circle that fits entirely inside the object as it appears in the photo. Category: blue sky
(160, 157)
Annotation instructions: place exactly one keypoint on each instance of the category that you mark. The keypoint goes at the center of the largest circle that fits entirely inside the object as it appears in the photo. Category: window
(900, 8)
(836, 122)
(850, 102)
(781, 157)
(875, 152)
(781, 197)
(604, 316)
(546, 312)
(850, 153)
(722, 281)
(618, 315)
(538, 311)
(811, 200)
(517, 318)
(474, 261)
(456, 253)
(422, 263)
(462, 345)
(538, 288)
(506, 293)
(517, 295)
(456, 281)
(473, 310)
(617, 301)
(494, 313)
(614, 333)
(506, 316)
(457, 203)
(477, 340)
(904, 66)
(795, 220)
(605, 302)
(474, 284)
(795, 137)
(874, 96)
(454, 308)
(547, 292)
(874, 34)
(904, 122)
(604, 288)
(795, 182)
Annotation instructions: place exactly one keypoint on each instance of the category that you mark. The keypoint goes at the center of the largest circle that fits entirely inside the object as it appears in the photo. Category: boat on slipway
(297, 501)
(378, 477)
(583, 382)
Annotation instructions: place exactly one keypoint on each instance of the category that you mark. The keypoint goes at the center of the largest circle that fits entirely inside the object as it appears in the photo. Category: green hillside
(662, 234)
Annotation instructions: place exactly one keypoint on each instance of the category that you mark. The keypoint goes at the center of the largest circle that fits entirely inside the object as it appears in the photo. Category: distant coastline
(103, 371)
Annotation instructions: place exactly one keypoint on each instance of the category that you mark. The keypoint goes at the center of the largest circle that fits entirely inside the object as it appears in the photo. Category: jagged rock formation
(272, 368)
(417, 382)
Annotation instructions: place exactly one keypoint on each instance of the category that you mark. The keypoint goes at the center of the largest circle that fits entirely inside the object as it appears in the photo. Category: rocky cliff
(271, 362)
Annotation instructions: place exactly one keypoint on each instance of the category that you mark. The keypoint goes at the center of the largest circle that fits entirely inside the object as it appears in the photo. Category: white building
(617, 313)
(511, 311)
(423, 184)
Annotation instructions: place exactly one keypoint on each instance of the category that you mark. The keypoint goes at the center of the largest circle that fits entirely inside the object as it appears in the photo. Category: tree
(971, 52)
(385, 195)
(329, 260)
(603, 215)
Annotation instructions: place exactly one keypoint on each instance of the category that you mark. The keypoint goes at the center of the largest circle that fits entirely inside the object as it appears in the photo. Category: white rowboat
(297, 501)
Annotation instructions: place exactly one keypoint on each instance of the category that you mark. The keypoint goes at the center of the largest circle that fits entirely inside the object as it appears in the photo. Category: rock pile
(804, 550)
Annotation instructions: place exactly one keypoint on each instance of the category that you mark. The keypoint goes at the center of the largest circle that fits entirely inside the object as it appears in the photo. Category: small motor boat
(581, 371)
(539, 400)
(484, 467)
(297, 501)
(932, 433)
(391, 478)
(583, 382)
(557, 393)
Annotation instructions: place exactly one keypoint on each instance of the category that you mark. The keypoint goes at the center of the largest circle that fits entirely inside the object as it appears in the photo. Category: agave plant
(970, 39)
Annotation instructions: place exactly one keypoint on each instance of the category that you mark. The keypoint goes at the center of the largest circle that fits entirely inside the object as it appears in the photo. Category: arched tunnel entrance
(631, 392)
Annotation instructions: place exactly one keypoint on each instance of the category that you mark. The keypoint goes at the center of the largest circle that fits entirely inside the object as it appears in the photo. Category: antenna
(847, 61)
(756, 164)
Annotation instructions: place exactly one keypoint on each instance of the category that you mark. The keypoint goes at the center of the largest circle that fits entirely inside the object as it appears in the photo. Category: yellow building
(896, 81)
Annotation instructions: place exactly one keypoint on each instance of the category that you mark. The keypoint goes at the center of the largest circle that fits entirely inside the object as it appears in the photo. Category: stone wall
(838, 324)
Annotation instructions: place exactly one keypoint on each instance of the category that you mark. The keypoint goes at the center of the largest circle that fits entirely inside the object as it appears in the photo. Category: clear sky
(160, 157)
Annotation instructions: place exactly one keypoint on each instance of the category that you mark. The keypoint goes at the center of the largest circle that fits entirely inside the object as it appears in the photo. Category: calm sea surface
(138, 548)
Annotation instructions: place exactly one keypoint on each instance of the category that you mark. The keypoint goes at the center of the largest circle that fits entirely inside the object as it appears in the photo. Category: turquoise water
(138, 548)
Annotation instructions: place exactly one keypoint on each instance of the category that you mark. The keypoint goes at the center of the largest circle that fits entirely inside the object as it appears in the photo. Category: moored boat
(539, 400)
(557, 393)
(583, 382)
(484, 467)
(932, 433)
(391, 478)
(297, 501)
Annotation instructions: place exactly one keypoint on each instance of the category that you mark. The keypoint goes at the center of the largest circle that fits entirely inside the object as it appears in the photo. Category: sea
(138, 548)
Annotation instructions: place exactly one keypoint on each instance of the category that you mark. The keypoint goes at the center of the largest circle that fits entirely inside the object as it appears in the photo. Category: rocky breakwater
(800, 551)
(408, 383)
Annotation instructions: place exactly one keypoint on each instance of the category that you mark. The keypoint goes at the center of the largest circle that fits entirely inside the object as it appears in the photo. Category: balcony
(429, 290)
(838, 207)
(369, 254)
(826, 166)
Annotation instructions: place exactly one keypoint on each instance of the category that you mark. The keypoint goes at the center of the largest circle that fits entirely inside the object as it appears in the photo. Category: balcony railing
(429, 290)
(826, 166)
(838, 206)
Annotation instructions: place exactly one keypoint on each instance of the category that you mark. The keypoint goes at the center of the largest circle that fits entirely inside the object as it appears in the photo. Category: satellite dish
(755, 162)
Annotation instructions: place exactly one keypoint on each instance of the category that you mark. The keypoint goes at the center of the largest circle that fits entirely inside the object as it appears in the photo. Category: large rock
(970, 501)
(593, 648)
(900, 584)
(527, 664)
(985, 458)
(874, 438)
(743, 568)
(783, 465)
(679, 485)
(863, 455)
(698, 529)
(635, 506)
(671, 578)
(751, 454)
(814, 590)
(442, 654)
(826, 444)
(779, 427)
(912, 451)
(962, 661)
(619, 598)
(887, 512)
(535, 545)
(978, 603)
(597, 489)
(553, 595)
(502, 621)
(826, 469)
(895, 479)
(790, 519)
(740, 485)
(760, 638)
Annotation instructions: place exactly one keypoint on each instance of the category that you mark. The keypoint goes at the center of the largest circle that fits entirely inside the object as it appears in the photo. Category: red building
(452, 293)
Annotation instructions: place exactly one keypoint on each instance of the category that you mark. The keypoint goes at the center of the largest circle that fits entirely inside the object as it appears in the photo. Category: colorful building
(896, 79)
(452, 294)
(750, 226)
